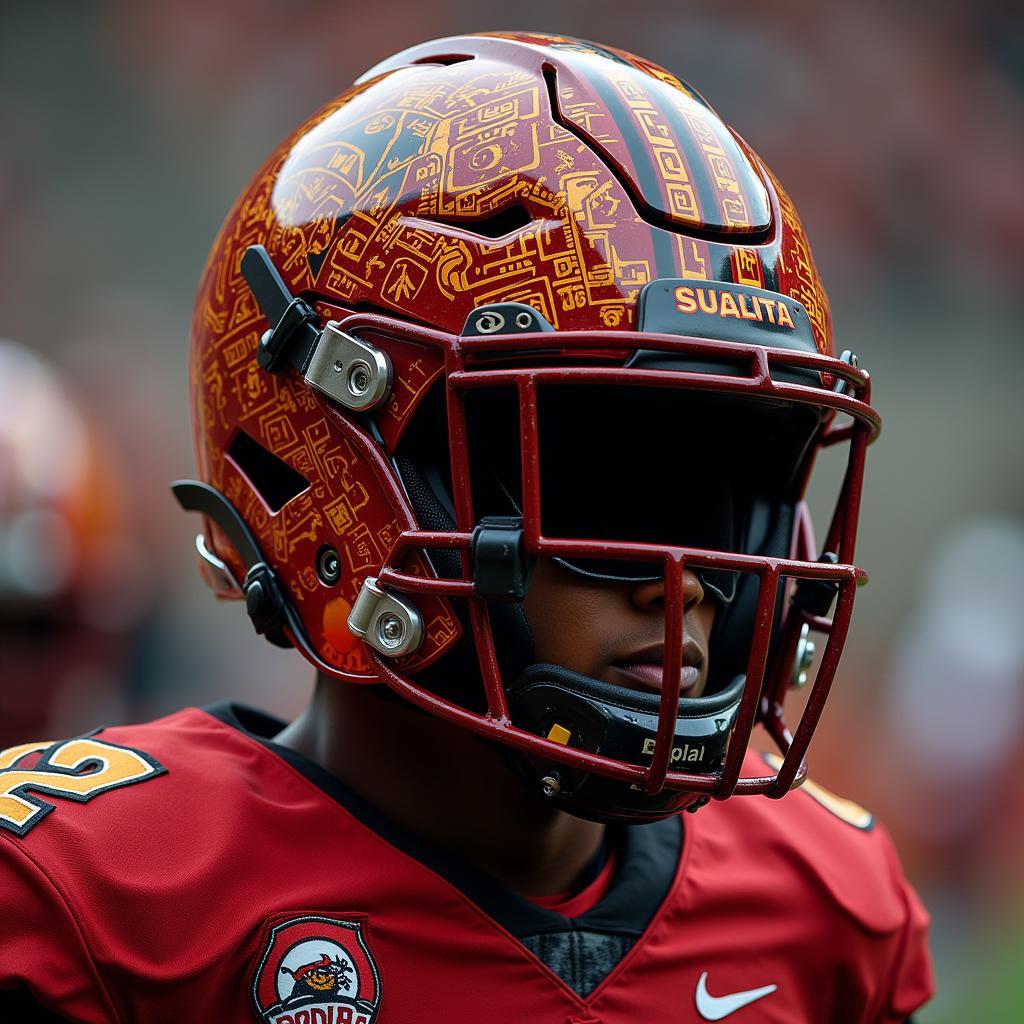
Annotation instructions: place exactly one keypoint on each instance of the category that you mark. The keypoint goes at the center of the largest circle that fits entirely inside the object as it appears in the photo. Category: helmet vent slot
(447, 59)
(646, 205)
(272, 478)
(494, 225)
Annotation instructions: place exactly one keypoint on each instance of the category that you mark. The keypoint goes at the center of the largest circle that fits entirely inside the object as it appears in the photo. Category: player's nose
(651, 595)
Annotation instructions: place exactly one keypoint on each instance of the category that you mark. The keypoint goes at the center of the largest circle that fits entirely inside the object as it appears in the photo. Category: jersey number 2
(76, 769)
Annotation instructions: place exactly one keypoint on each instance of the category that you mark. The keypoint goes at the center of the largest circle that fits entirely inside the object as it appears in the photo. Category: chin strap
(265, 600)
(615, 721)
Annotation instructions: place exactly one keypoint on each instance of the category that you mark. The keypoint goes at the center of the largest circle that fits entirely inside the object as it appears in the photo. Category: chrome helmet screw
(551, 785)
(805, 651)
(391, 630)
(359, 379)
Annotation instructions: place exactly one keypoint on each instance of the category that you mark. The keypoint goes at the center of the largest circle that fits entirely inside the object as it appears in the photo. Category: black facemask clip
(501, 568)
(292, 340)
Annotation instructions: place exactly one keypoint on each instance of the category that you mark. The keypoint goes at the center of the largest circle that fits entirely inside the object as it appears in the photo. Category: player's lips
(647, 667)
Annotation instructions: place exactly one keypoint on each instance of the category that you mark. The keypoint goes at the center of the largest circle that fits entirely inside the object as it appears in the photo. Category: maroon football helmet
(515, 297)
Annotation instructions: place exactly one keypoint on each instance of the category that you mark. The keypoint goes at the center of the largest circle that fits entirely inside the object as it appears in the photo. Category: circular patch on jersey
(316, 969)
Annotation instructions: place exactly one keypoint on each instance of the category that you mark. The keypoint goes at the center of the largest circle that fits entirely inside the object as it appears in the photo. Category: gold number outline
(61, 772)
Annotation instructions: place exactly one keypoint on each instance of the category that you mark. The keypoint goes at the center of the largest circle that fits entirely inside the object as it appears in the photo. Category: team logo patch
(317, 970)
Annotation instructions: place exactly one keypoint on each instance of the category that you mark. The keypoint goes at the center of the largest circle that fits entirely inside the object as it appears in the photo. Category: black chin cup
(619, 723)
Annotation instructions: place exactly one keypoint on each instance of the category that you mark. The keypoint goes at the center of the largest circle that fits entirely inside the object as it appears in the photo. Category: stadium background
(127, 129)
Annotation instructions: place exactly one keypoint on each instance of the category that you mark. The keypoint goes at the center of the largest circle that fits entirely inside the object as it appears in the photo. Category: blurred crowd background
(126, 131)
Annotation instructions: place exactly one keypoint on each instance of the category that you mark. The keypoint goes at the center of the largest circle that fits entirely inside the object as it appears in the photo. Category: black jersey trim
(644, 875)
(21, 1006)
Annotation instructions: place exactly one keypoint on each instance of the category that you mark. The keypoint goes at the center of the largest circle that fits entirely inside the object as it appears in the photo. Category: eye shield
(645, 465)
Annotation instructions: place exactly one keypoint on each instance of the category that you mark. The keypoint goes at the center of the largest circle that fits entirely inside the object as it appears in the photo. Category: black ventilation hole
(275, 481)
(494, 225)
(447, 59)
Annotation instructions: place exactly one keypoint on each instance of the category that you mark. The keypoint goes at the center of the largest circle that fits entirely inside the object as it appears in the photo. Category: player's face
(615, 632)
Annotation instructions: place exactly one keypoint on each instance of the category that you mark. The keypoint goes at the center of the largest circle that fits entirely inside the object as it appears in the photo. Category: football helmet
(61, 498)
(72, 575)
(513, 297)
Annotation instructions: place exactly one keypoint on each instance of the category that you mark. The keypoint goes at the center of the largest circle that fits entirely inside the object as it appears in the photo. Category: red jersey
(190, 870)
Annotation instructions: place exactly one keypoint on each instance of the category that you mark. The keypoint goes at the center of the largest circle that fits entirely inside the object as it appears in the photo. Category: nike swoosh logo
(719, 1007)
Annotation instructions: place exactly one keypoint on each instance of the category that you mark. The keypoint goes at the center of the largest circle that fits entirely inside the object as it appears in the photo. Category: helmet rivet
(805, 651)
(328, 566)
(390, 630)
(524, 320)
(338, 366)
(551, 785)
(359, 379)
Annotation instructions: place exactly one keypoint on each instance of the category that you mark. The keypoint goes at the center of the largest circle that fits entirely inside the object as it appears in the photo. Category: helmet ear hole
(272, 478)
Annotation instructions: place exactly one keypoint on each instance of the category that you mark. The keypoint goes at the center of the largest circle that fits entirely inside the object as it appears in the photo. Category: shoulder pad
(845, 810)
(811, 847)
(843, 848)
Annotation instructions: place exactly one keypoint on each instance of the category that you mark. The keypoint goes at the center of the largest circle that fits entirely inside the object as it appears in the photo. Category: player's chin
(648, 678)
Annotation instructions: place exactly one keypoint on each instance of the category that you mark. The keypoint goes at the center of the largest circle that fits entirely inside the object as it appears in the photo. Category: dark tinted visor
(651, 465)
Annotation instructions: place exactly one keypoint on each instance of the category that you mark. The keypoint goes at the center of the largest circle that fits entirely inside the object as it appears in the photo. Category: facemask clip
(501, 570)
(388, 623)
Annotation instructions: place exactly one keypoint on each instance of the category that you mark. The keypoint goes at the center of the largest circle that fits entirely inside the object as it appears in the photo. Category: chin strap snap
(265, 599)
(265, 604)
